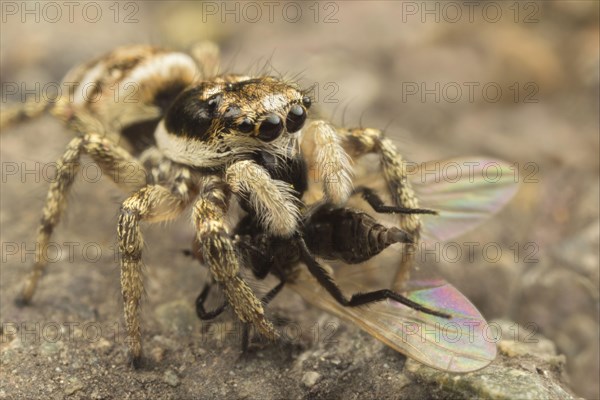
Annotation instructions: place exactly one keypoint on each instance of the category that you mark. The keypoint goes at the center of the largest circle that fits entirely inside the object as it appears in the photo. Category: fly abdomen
(349, 235)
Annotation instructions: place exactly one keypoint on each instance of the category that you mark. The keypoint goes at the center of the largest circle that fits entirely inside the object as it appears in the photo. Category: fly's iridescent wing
(458, 344)
(464, 191)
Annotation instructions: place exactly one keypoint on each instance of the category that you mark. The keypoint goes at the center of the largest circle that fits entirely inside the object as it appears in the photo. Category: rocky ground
(365, 59)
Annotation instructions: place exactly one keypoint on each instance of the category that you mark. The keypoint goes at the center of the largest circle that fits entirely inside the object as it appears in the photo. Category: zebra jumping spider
(197, 139)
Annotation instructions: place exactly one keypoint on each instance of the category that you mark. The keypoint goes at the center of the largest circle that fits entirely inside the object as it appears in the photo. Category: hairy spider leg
(114, 161)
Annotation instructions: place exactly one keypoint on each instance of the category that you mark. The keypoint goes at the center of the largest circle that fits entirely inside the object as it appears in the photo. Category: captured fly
(426, 319)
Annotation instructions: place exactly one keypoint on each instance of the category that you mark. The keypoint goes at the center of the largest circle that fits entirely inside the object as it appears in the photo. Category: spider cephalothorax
(231, 117)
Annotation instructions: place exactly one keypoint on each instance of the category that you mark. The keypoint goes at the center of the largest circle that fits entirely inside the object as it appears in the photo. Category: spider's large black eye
(246, 126)
(295, 118)
(270, 128)
(306, 101)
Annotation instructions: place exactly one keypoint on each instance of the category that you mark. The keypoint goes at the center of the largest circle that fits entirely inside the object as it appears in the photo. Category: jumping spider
(191, 137)
(195, 138)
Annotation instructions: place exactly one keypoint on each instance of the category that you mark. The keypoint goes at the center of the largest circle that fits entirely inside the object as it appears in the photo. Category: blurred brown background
(397, 63)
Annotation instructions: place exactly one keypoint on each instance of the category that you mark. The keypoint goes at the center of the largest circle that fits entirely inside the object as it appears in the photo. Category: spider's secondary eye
(306, 101)
(270, 128)
(246, 126)
(295, 118)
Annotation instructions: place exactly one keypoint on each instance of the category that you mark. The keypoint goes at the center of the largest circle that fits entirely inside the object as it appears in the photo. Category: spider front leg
(218, 251)
(114, 161)
(151, 204)
(322, 147)
(274, 201)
